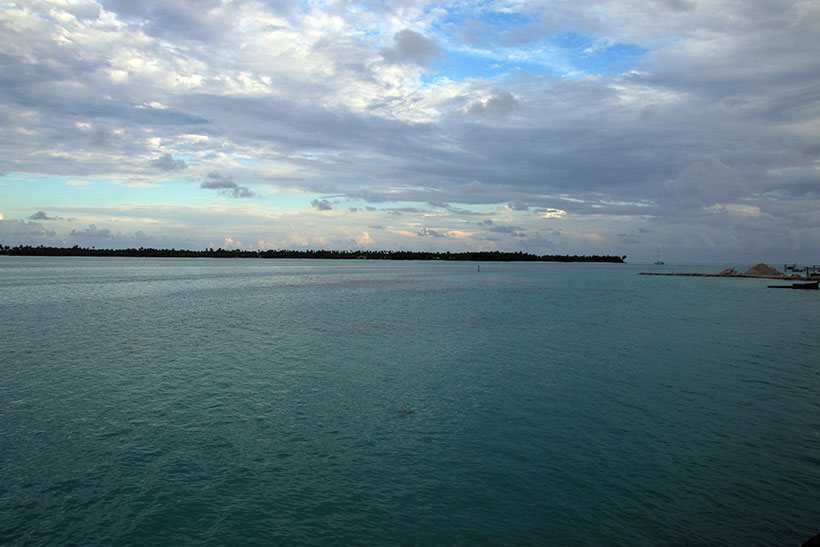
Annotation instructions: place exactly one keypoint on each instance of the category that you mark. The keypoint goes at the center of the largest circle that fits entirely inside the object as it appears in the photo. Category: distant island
(478, 256)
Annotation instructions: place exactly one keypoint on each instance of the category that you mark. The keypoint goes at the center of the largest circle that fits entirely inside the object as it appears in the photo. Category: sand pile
(762, 270)
(729, 271)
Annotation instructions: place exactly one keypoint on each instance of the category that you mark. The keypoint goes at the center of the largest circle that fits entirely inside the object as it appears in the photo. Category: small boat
(658, 261)
(811, 286)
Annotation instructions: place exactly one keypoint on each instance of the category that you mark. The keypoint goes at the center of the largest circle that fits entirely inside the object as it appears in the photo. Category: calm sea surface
(199, 401)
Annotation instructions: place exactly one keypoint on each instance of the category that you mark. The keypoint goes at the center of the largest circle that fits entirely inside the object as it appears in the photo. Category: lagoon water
(199, 401)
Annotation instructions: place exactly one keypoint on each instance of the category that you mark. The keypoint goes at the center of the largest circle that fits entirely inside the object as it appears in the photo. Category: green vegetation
(479, 256)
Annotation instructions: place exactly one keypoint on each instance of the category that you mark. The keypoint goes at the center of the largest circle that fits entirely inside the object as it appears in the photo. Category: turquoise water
(174, 401)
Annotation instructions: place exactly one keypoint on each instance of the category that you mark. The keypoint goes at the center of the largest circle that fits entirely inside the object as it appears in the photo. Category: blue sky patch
(563, 55)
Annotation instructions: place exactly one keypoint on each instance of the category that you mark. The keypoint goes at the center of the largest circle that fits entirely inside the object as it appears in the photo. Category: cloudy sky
(689, 127)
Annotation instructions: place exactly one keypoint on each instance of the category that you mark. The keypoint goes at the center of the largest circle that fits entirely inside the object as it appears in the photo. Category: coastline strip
(687, 274)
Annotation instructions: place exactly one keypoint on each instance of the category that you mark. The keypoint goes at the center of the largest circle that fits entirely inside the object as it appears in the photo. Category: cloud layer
(620, 125)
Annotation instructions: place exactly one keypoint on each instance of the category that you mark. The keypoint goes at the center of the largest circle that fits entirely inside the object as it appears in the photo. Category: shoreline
(360, 254)
(778, 277)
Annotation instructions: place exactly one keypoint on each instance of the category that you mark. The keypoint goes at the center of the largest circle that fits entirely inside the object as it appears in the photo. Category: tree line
(477, 256)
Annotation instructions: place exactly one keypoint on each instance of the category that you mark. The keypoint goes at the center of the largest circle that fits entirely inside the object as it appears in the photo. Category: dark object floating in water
(812, 286)
(813, 542)
(405, 412)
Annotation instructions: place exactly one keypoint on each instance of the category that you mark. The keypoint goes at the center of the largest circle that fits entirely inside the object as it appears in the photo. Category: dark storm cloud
(166, 162)
(218, 181)
(500, 104)
(92, 232)
(321, 204)
(514, 158)
(292, 126)
(411, 47)
(228, 186)
(41, 215)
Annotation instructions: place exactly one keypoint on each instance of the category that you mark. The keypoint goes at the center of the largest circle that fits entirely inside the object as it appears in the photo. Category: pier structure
(810, 271)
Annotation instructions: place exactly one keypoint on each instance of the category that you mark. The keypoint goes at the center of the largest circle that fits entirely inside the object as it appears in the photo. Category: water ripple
(185, 401)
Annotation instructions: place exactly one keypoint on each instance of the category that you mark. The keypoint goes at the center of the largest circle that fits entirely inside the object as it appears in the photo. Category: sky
(685, 129)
